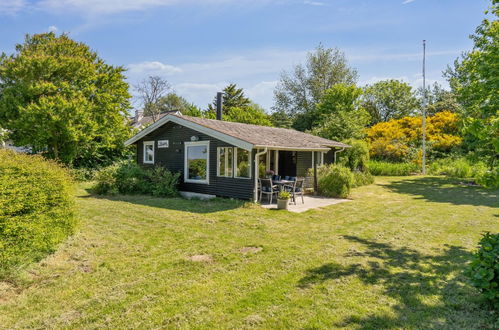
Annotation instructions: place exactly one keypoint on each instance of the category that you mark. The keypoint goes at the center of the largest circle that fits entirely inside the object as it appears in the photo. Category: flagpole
(424, 109)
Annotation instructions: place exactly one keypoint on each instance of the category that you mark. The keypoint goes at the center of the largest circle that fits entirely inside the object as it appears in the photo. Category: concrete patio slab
(311, 202)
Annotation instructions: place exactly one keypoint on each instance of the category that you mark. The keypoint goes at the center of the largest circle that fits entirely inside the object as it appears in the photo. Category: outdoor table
(282, 183)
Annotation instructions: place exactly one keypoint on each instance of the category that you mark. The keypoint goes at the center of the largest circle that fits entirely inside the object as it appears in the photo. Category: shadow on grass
(445, 190)
(175, 203)
(429, 290)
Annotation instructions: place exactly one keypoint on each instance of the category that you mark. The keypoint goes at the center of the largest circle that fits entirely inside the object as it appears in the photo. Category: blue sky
(201, 45)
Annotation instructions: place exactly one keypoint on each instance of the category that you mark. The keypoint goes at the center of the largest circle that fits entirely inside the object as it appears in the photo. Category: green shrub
(392, 169)
(334, 180)
(489, 179)
(130, 178)
(163, 182)
(84, 174)
(457, 168)
(106, 180)
(484, 268)
(36, 209)
(362, 178)
(355, 158)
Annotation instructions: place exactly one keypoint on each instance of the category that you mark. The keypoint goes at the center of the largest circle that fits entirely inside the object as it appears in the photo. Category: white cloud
(257, 71)
(11, 7)
(407, 1)
(314, 3)
(52, 28)
(153, 68)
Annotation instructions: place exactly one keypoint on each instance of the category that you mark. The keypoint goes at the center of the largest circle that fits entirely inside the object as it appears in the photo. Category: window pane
(149, 152)
(228, 169)
(221, 162)
(262, 165)
(242, 163)
(197, 162)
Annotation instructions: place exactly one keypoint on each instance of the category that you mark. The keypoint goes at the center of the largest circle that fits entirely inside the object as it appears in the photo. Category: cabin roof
(246, 136)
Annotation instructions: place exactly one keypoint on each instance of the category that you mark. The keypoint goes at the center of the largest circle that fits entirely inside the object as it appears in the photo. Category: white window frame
(226, 162)
(148, 143)
(234, 163)
(186, 168)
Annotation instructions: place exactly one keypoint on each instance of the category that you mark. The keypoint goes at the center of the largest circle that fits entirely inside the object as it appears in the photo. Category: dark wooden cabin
(217, 157)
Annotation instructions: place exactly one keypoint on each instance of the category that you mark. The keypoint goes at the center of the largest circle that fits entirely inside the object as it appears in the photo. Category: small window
(243, 163)
(196, 165)
(225, 161)
(149, 152)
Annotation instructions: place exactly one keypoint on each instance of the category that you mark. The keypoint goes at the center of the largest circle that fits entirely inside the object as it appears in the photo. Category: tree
(151, 91)
(60, 98)
(300, 91)
(474, 79)
(340, 114)
(174, 102)
(389, 99)
(238, 108)
(233, 98)
(281, 119)
(438, 99)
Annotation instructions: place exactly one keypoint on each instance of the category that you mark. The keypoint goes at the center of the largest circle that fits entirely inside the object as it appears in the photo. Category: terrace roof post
(255, 188)
(315, 174)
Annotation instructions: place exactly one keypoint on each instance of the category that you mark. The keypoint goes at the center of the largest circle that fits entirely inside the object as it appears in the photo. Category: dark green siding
(173, 159)
(303, 162)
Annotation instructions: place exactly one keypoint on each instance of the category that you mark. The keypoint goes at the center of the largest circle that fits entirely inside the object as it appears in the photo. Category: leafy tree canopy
(174, 102)
(340, 114)
(300, 90)
(389, 99)
(233, 98)
(474, 79)
(438, 99)
(281, 119)
(60, 98)
(238, 108)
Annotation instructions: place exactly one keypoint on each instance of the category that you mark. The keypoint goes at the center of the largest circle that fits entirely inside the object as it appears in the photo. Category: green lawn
(392, 258)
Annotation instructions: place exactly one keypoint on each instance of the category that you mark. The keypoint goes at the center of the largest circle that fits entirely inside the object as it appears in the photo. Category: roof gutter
(255, 190)
(292, 148)
(336, 151)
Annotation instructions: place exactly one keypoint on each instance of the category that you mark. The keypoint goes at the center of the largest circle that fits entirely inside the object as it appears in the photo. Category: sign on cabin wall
(163, 144)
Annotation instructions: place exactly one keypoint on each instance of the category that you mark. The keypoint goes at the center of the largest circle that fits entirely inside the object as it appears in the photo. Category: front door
(287, 163)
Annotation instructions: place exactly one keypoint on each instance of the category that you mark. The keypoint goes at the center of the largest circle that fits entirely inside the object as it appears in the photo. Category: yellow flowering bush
(400, 139)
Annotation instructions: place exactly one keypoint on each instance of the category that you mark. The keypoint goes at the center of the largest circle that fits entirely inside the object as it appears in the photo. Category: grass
(392, 258)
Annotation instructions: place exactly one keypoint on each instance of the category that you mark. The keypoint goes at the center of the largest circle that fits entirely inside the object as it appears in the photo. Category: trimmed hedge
(392, 169)
(130, 178)
(36, 209)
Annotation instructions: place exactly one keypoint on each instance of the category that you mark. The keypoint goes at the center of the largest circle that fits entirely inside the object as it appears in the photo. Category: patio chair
(276, 178)
(267, 188)
(296, 189)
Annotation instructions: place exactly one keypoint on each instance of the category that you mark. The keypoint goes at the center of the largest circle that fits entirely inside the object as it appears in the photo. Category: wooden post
(315, 174)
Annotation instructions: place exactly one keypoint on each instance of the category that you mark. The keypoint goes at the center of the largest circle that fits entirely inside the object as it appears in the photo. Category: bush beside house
(36, 209)
(334, 181)
(130, 178)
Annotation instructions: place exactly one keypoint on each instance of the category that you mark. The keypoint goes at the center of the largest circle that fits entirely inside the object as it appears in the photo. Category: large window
(197, 159)
(149, 152)
(243, 163)
(225, 161)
